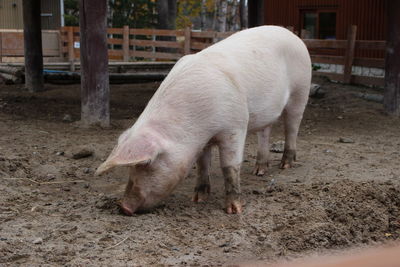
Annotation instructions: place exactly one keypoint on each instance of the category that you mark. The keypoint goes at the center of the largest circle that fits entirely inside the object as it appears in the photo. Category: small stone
(328, 151)
(316, 91)
(86, 186)
(38, 240)
(86, 170)
(67, 118)
(60, 153)
(82, 153)
(261, 238)
(340, 117)
(346, 140)
(224, 245)
(36, 209)
(278, 147)
(256, 192)
(50, 177)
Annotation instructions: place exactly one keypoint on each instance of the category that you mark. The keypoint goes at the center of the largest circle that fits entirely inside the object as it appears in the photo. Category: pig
(241, 84)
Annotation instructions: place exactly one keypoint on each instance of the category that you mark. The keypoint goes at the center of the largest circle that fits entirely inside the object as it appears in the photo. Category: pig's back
(246, 78)
(267, 64)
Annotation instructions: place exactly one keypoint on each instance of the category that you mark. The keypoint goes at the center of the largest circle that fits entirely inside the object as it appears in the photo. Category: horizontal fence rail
(127, 45)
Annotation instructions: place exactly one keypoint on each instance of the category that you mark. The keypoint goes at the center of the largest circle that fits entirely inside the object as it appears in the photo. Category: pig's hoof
(289, 156)
(260, 169)
(201, 193)
(234, 207)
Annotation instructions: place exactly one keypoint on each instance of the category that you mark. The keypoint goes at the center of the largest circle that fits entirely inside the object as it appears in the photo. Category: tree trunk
(33, 46)
(95, 91)
(243, 14)
(233, 16)
(166, 16)
(162, 14)
(392, 76)
(222, 13)
(203, 15)
(255, 13)
(172, 14)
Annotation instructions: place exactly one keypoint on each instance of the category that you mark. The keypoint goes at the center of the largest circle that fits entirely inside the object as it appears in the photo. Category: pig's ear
(128, 154)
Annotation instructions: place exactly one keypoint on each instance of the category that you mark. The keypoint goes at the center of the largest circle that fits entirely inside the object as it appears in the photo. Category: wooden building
(329, 19)
(11, 14)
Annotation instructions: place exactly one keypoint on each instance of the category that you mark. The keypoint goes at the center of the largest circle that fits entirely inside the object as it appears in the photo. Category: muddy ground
(54, 211)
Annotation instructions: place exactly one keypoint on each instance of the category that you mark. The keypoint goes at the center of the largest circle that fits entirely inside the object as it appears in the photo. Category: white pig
(215, 97)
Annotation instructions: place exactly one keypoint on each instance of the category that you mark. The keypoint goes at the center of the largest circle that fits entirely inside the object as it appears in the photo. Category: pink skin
(148, 185)
(215, 97)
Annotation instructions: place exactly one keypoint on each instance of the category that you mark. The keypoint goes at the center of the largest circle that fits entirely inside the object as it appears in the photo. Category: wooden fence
(144, 44)
(12, 45)
(126, 44)
(149, 44)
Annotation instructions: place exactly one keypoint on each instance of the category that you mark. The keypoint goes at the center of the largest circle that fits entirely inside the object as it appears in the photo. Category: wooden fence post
(349, 56)
(33, 48)
(392, 66)
(186, 48)
(70, 43)
(1, 47)
(125, 43)
(95, 89)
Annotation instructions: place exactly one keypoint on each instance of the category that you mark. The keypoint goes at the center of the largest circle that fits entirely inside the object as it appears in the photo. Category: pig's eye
(144, 168)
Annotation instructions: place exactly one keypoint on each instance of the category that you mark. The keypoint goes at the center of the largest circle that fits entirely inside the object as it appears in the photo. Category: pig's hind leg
(292, 116)
(231, 149)
(202, 189)
(262, 162)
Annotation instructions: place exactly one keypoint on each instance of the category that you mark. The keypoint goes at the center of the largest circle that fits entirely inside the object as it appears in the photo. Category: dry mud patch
(55, 212)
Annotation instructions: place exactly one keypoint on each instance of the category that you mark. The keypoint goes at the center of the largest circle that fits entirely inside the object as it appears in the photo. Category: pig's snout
(127, 209)
(129, 206)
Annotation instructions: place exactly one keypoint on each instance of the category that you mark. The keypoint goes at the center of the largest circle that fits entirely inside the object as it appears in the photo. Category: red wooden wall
(369, 16)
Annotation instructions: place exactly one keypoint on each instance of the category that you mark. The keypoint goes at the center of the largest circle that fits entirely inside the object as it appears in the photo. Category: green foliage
(71, 9)
(190, 9)
(315, 67)
(134, 13)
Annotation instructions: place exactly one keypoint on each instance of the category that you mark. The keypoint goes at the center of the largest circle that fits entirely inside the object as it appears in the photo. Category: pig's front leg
(202, 189)
(231, 156)
(262, 162)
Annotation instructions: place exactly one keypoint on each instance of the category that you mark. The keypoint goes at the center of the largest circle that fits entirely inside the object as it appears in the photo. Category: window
(318, 24)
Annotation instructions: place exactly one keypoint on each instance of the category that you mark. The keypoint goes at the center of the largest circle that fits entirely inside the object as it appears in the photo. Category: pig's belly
(260, 120)
(264, 111)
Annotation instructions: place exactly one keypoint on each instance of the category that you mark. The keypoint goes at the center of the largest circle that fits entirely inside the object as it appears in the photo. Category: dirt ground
(55, 212)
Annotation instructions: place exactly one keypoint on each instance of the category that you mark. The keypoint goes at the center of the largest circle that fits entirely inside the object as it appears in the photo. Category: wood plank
(314, 43)
(370, 62)
(115, 31)
(156, 43)
(155, 55)
(186, 47)
(71, 55)
(372, 45)
(327, 59)
(333, 76)
(366, 80)
(205, 34)
(115, 41)
(125, 43)
(199, 45)
(223, 34)
(156, 32)
(115, 52)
